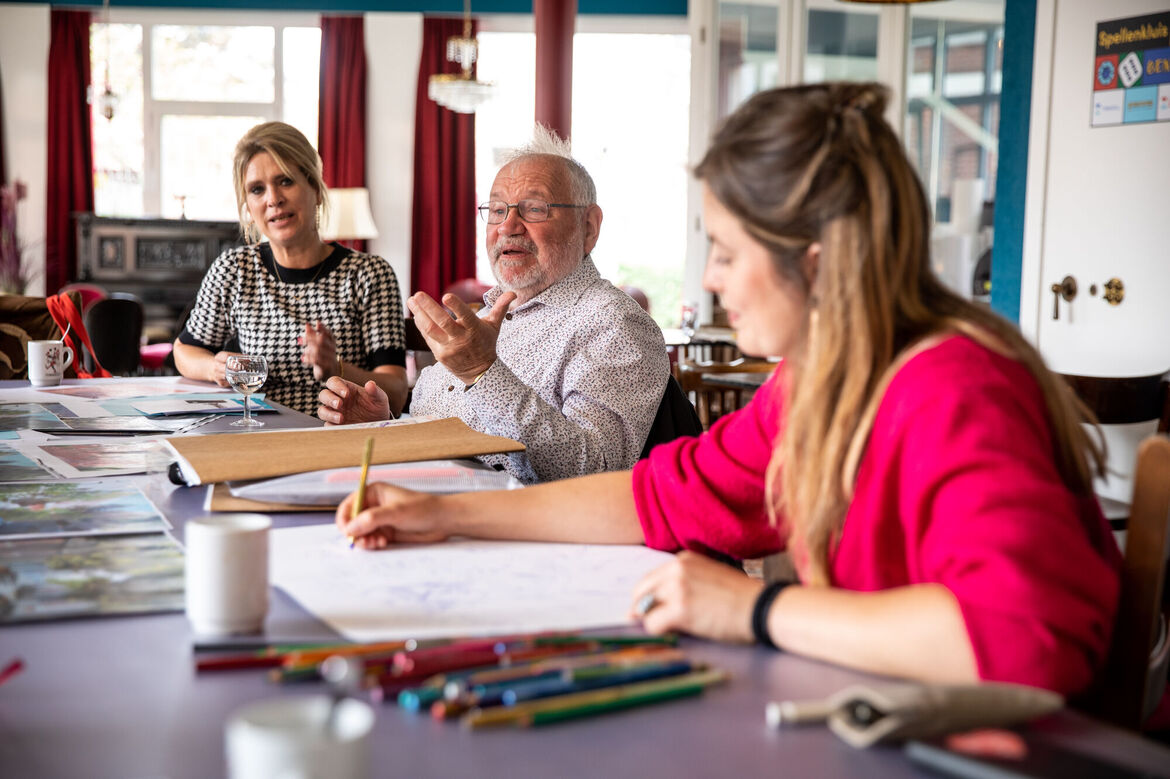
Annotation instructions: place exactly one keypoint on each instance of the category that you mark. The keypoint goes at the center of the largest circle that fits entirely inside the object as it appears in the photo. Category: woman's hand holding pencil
(383, 514)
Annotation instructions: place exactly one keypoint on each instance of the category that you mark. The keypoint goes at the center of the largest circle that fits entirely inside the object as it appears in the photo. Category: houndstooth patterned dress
(245, 296)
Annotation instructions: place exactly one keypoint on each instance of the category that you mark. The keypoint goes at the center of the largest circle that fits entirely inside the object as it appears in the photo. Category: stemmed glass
(247, 373)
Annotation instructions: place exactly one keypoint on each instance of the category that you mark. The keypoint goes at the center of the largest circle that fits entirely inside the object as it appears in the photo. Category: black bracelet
(760, 612)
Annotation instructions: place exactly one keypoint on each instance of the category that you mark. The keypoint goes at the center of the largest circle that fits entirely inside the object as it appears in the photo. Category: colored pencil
(512, 694)
(360, 497)
(585, 704)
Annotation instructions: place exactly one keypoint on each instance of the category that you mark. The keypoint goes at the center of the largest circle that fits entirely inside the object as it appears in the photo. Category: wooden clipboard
(262, 455)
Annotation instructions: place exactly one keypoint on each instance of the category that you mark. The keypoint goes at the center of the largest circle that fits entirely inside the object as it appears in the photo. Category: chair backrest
(712, 402)
(1135, 674)
(470, 291)
(115, 328)
(90, 293)
(676, 417)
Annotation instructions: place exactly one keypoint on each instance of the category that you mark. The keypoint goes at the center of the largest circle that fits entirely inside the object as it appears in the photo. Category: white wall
(393, 46)
(24, 57)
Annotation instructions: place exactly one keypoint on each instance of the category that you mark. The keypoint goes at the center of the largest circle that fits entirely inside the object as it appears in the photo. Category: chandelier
(460, 92)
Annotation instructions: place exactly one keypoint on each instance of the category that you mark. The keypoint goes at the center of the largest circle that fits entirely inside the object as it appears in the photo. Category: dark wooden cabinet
(162, 261)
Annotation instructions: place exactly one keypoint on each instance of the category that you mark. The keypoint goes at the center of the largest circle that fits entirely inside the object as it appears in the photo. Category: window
(954, 75)
(187, 92)
(632, 140)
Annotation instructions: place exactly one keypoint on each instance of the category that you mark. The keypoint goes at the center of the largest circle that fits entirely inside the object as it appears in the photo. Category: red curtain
(70, 169)
(341, 122)
(443, 235)
(3, 146)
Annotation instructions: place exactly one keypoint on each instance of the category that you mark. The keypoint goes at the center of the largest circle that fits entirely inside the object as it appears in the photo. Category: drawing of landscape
(53, 578)
(35, 509)
(457, 588)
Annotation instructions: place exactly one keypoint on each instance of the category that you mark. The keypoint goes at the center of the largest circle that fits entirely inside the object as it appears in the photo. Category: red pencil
(11, 670)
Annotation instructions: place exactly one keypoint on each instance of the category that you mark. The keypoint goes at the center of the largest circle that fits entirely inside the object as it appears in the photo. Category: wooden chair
(1135, 673)
(712, 402)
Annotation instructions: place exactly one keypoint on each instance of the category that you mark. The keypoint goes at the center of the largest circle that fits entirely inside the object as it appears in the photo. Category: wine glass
(247, 373)
(690, 318)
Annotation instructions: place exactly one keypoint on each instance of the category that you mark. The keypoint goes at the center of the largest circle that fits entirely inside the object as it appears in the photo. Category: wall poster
(1131, 75)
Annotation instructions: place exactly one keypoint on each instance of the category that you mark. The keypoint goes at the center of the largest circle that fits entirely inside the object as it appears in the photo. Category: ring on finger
(645, 604)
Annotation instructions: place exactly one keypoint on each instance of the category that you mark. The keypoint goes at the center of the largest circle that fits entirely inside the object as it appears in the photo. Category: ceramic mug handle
(68, 358)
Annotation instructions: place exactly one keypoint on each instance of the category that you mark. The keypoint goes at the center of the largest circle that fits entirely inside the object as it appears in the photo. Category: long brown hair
(819, 164)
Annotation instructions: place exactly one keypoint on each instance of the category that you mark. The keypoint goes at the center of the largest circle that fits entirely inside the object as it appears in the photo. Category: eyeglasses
(495, 212)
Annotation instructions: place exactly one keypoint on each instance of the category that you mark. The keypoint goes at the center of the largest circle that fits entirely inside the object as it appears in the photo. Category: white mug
(227, 573)
(295, 736)
(47, 361)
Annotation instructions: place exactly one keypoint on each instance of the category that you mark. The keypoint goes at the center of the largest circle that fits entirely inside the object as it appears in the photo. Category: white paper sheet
(457, 588)
(330, 487)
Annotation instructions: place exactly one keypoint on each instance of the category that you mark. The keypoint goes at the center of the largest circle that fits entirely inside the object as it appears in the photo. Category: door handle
(1067, 289)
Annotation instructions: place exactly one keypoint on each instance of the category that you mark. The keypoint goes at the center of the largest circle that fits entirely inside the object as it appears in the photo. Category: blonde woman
(930, 477)
(314, 309)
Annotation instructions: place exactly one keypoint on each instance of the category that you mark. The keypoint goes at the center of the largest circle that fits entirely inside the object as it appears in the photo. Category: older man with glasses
(558, 359)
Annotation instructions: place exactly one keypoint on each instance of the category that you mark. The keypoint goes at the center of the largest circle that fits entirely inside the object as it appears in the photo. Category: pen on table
(11, 670)
(360, 497)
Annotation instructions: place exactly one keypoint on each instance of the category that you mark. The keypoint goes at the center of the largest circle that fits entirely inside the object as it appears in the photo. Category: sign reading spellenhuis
(1131, 76)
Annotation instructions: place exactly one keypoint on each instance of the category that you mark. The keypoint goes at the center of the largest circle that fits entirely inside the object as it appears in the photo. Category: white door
(1099, 211)
(1096, 211)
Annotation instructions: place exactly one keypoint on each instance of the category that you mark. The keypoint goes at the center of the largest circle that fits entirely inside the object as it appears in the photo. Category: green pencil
(585, 704)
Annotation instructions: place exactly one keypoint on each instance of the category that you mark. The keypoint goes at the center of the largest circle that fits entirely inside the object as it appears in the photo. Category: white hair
(546, 143)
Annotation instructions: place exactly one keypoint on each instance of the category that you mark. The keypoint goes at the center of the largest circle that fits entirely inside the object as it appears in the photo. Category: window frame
(153, 110)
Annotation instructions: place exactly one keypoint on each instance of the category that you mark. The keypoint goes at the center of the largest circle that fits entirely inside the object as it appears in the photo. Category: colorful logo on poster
(1141, 104)
(1157, 67)
(1130, 69)
(1106, 72)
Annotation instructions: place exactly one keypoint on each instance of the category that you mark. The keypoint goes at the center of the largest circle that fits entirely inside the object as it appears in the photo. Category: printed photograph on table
(58, 508)
(15, 417)
(56, 578)
(16, 466)
(73, 461)
(119, 389)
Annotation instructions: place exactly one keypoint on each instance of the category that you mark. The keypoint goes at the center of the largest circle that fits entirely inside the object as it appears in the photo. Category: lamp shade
(348, 216)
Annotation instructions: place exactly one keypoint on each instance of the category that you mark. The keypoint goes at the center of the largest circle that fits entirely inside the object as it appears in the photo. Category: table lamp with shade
(348, 217)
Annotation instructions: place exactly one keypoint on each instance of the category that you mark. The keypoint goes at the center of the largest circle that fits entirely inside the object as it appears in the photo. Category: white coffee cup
(295, 737)
(47, 361)
(227, 573)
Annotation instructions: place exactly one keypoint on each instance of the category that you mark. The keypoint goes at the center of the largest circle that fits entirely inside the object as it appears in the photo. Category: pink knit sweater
(957, 486)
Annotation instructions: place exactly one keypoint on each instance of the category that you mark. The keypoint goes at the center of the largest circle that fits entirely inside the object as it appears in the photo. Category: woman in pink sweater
(930, 477)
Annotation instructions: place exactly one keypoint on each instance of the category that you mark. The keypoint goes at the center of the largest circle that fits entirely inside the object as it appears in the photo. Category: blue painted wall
(584, 7)
(1015, 111)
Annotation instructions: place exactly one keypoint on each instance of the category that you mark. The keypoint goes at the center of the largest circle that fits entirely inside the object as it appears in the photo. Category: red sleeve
(707, 493)
(1033, 566)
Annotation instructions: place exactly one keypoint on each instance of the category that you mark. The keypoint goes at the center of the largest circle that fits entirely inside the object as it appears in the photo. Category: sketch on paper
(59, 508)
(53, 578)
(457, 588)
